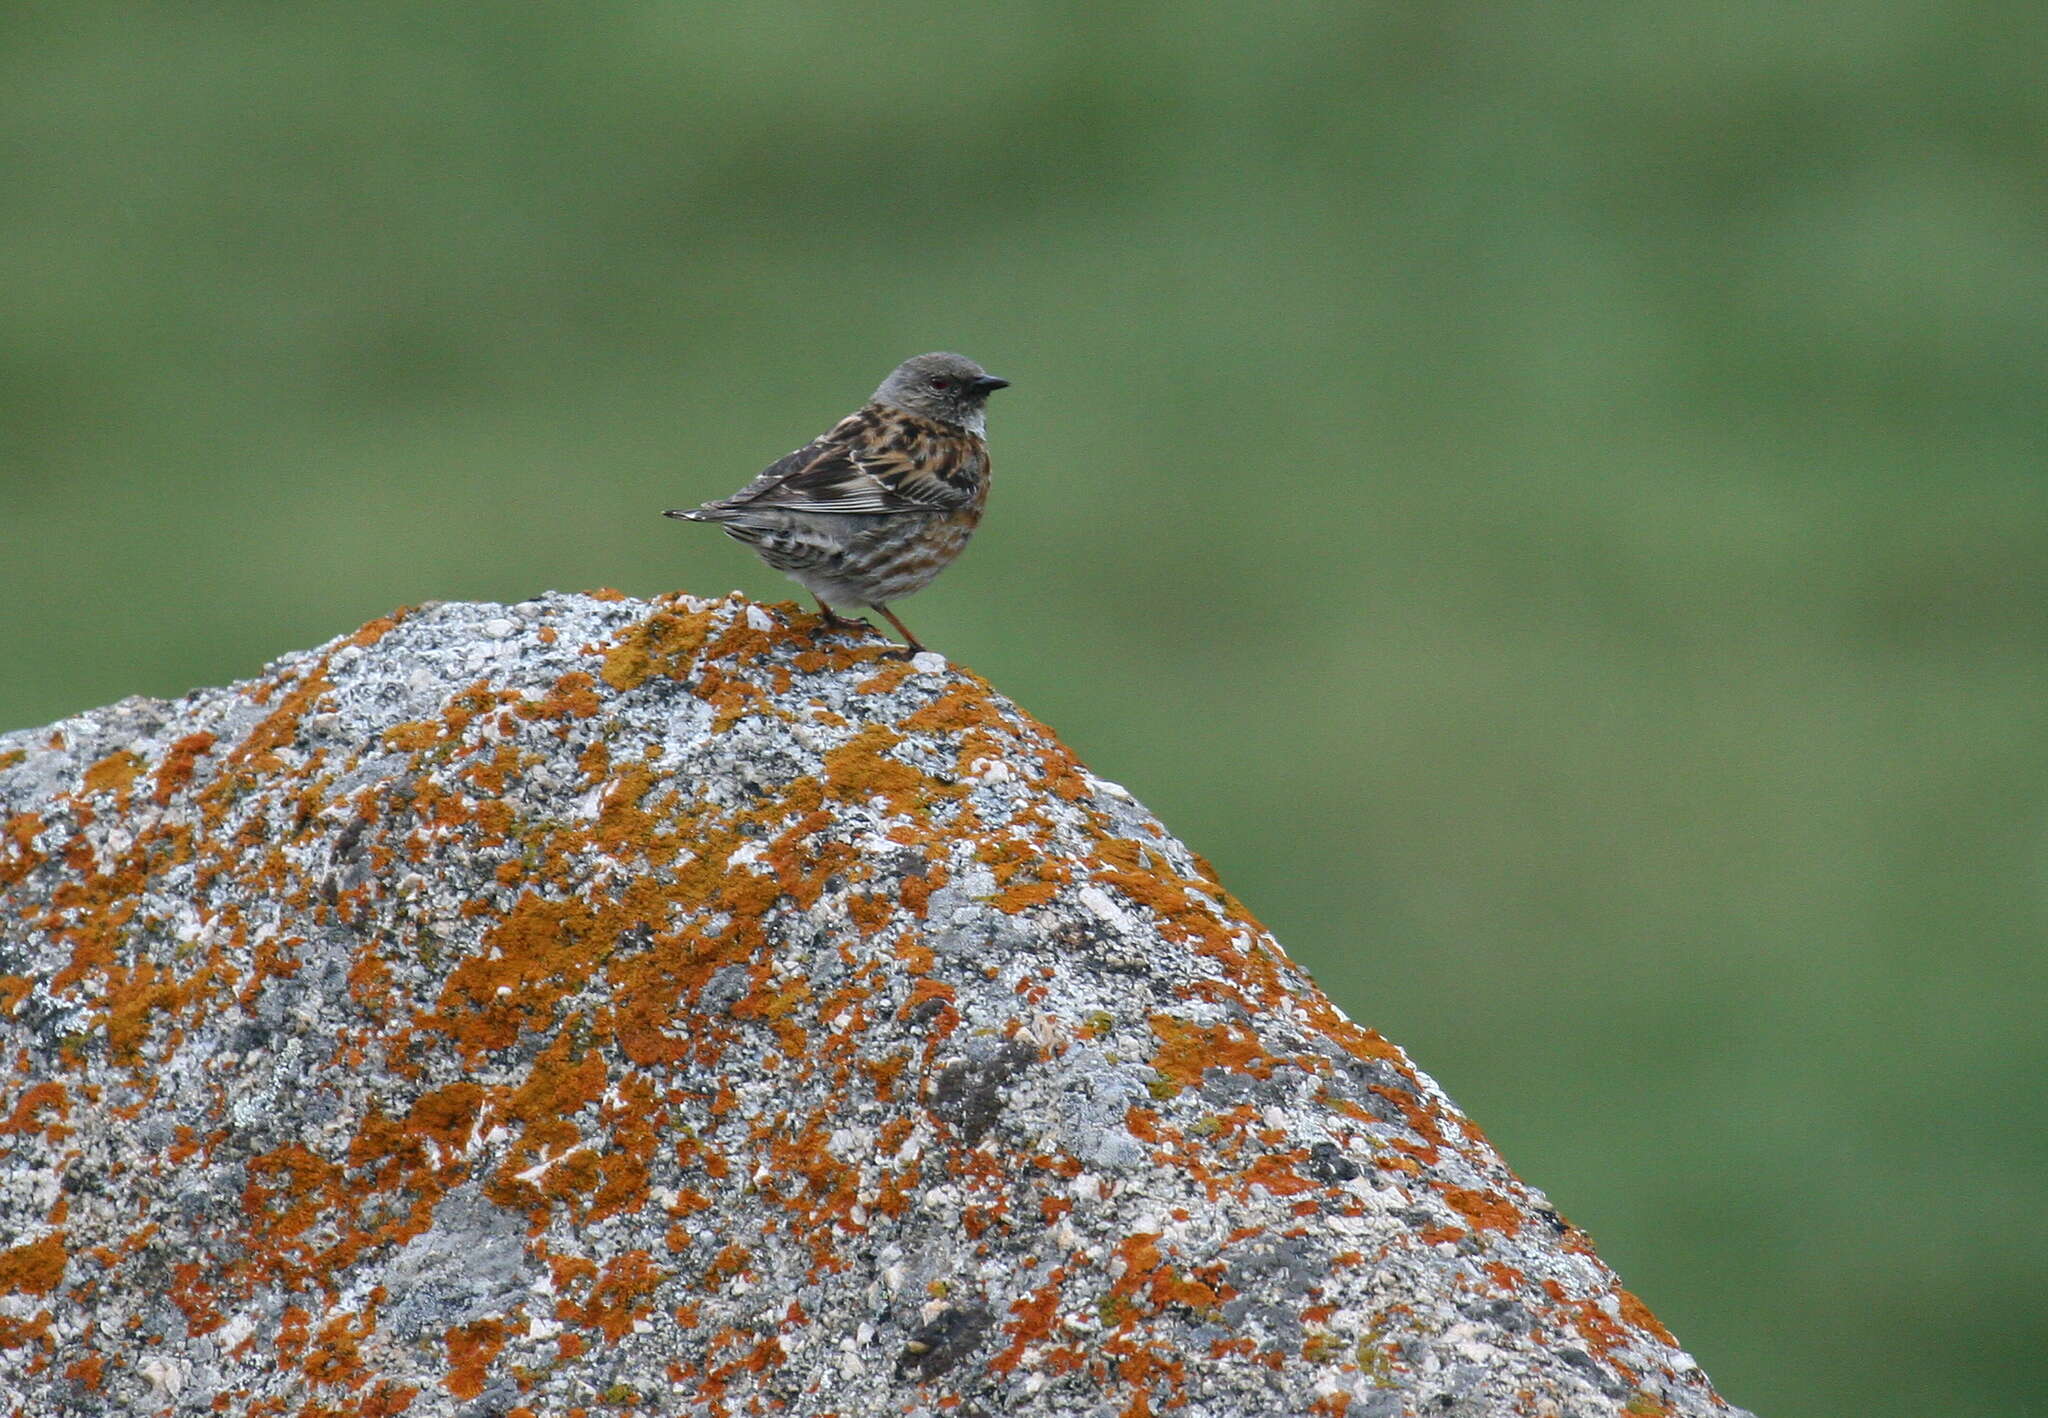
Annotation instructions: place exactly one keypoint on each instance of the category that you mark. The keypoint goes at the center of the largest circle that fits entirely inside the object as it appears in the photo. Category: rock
(591, 1005)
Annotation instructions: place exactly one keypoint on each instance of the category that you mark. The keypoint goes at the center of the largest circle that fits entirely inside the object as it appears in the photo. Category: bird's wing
(874, 461)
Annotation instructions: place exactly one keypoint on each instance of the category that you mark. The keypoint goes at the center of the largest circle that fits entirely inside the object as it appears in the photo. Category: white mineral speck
(928, 662)
(759, 618)
(499, 628)
(1098, 903)
(234, 1332)
(166, 1377)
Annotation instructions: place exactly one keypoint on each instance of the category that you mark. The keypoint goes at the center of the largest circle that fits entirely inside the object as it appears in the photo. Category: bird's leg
(911, 647)
(835, 621)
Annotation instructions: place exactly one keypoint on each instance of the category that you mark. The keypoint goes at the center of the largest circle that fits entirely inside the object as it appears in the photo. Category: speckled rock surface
(591, 1007)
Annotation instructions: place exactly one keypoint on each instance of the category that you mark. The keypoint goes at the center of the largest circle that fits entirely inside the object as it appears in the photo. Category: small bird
(879, 504)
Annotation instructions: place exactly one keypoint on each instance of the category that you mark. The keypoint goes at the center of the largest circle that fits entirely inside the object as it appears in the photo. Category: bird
(880, 503)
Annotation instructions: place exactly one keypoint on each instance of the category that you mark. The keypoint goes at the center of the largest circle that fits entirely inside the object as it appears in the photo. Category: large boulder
(594, 1006)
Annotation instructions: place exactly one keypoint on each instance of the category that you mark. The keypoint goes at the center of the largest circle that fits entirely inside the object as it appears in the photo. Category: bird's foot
(845, 625)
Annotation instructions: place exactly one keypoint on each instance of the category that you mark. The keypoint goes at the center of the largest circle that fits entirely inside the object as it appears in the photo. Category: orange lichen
(628, 831)
(1419, 1119)
(1601, 1332)
(257, 752)
(1187, 1049)
(619, 1298)
(17, 836)
(861, 768)
(926, 990)
(192, 1295)
(887, 678)
(915, 890)
(665, 643)
(180, 762)
(471, 1348)
(377, 629)
(1035, 1315)
(1486, 1211)
(335, 1356)
(963, 706)
(36, 1100)
(573, 696)
(1276, 1174)
(1143, 1123)
(1635, 1312)
(35, 1268)
(416, 736)
(1024, 895)
(115, 773)
(1359, 1042)
(534, 960)
(132, 996)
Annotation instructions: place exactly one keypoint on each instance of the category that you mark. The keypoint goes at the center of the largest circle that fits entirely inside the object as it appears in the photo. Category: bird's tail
(693, 514)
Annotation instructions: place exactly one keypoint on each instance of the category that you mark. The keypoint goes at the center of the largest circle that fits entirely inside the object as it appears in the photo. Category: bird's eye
(939, 382)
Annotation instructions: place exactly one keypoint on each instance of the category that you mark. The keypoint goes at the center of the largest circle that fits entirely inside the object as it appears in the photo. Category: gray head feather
(948, 387)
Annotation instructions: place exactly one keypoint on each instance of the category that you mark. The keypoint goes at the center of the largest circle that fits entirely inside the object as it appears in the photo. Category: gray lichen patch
(669, 1008)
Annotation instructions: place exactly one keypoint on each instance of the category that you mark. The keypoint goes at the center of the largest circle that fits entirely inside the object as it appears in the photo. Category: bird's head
(948, 387)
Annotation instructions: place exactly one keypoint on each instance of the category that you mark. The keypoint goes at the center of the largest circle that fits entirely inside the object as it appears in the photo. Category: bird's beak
(988, 383)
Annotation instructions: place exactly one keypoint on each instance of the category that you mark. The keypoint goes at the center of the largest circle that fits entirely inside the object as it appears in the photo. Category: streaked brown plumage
(881, 503)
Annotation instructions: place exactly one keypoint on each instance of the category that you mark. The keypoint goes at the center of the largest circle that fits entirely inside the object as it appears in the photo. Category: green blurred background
(1549, 497)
